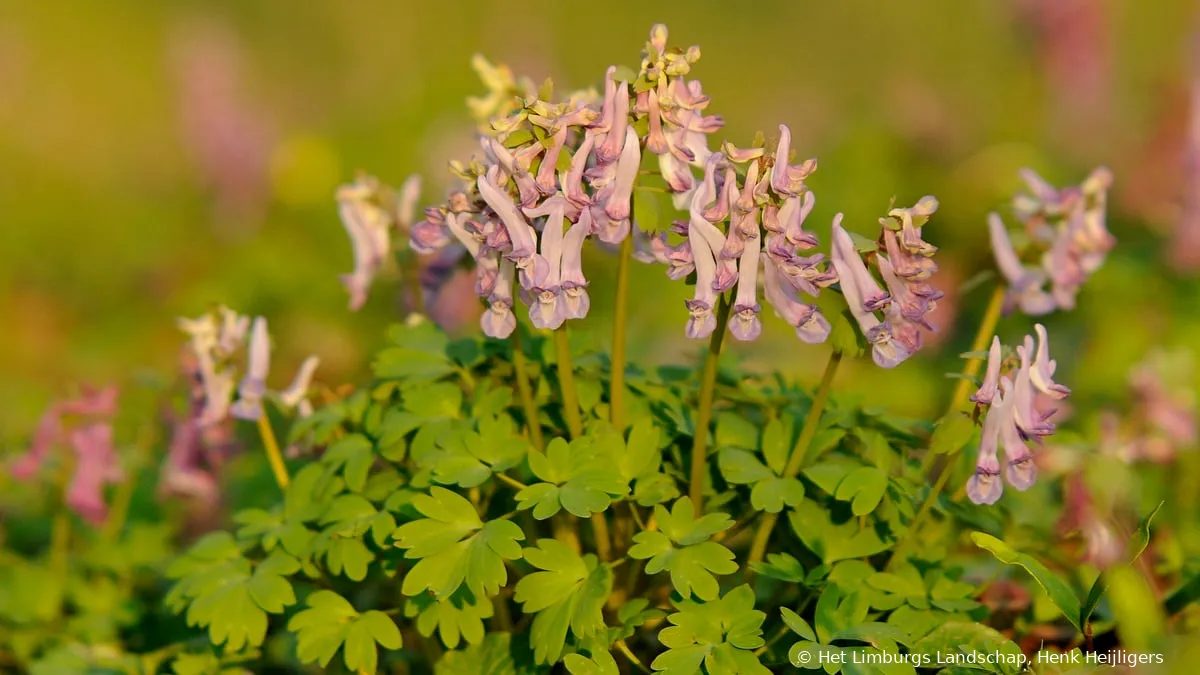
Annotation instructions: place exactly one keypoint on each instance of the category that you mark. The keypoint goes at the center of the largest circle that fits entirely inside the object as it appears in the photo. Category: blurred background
(157, 158)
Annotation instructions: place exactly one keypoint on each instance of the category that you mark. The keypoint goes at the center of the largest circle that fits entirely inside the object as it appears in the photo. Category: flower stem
(987, 328)
(570, 404)
(616, 394)
(532, 419)
(566, 382)
(708, 385)
(796, 460)
(119, 512)
(274, 456)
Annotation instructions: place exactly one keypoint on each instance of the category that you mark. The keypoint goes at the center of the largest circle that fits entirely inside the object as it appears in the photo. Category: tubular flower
(1013, 417)
(84, 425)
(214, 351)
(369, 211)
(863, 296)
(1068, 237)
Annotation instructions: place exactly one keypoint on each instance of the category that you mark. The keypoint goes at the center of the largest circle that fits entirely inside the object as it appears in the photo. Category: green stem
(412, 281)
(603, 541)
(987, 328)
(566, 383)
(274, 456)
(616, 394)
(708, 385)
(119, 513)
(796, 460)
(624, 649)
(532, 419)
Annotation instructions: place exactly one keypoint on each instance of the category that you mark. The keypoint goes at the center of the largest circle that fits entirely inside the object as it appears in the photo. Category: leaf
(330, 623)
(576, 479)
(682, 548)
(418, 354)
(797, 624)
(1137, 546)
(498, 654)
(458, 617)
(775, 446)
(952, 433)
(864, 487)
(772, 494)
(781, 566)
(741, 467)
(962, 638)
(1059, 591)
(447, 559)
(721, 634)
(832, 542)
(569, 592)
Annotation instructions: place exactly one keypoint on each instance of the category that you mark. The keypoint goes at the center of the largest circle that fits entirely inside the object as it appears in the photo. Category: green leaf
(1137, 546)
(831, 541)
(797, 624)
(844, 337)
(962, 638)
(447, 559)
(419, 354)
(1059, 591)
(682, 548)
(577, 478)
(775, 446)
(569, 593)
(741, 467)
(781, 566)
(721, 634)
(458, 617)
(952, 433)
(330, 623)
(772, 494)
(864, 487)
(498, 654)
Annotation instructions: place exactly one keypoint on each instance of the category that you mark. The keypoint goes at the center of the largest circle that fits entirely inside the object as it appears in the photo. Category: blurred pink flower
(229, 135)
(84, 424)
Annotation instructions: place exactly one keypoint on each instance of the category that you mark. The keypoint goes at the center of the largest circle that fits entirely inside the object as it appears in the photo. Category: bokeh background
(157, 158)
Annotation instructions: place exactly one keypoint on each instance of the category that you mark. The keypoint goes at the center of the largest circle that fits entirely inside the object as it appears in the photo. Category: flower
(214, 351)
(1013, 417)
(1068, 235)
(368, 219)
(85, 425)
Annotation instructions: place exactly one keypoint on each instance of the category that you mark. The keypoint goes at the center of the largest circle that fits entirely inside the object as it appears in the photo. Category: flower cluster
(906, 269)
(84, 424)
(1162, 419)
(1068, 237)
(1009, 392)
(216, 338)
(369, 211)
(551, 175)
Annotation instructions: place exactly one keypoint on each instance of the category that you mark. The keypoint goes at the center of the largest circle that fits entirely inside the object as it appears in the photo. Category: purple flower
(532, 267)
(788, 181)
(810, 324)
(368, 225)
(498, 321)
(575, 301)
(985, 486)
(545, 311)
(429, 235)
(254, 384)
(1042, 373)
(853, 273)
(745, 324)
(887, 351)
(91, 440)
(615, 139)
(1025, 283)
(296, 394)
(991, 379)
(1031, 423)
